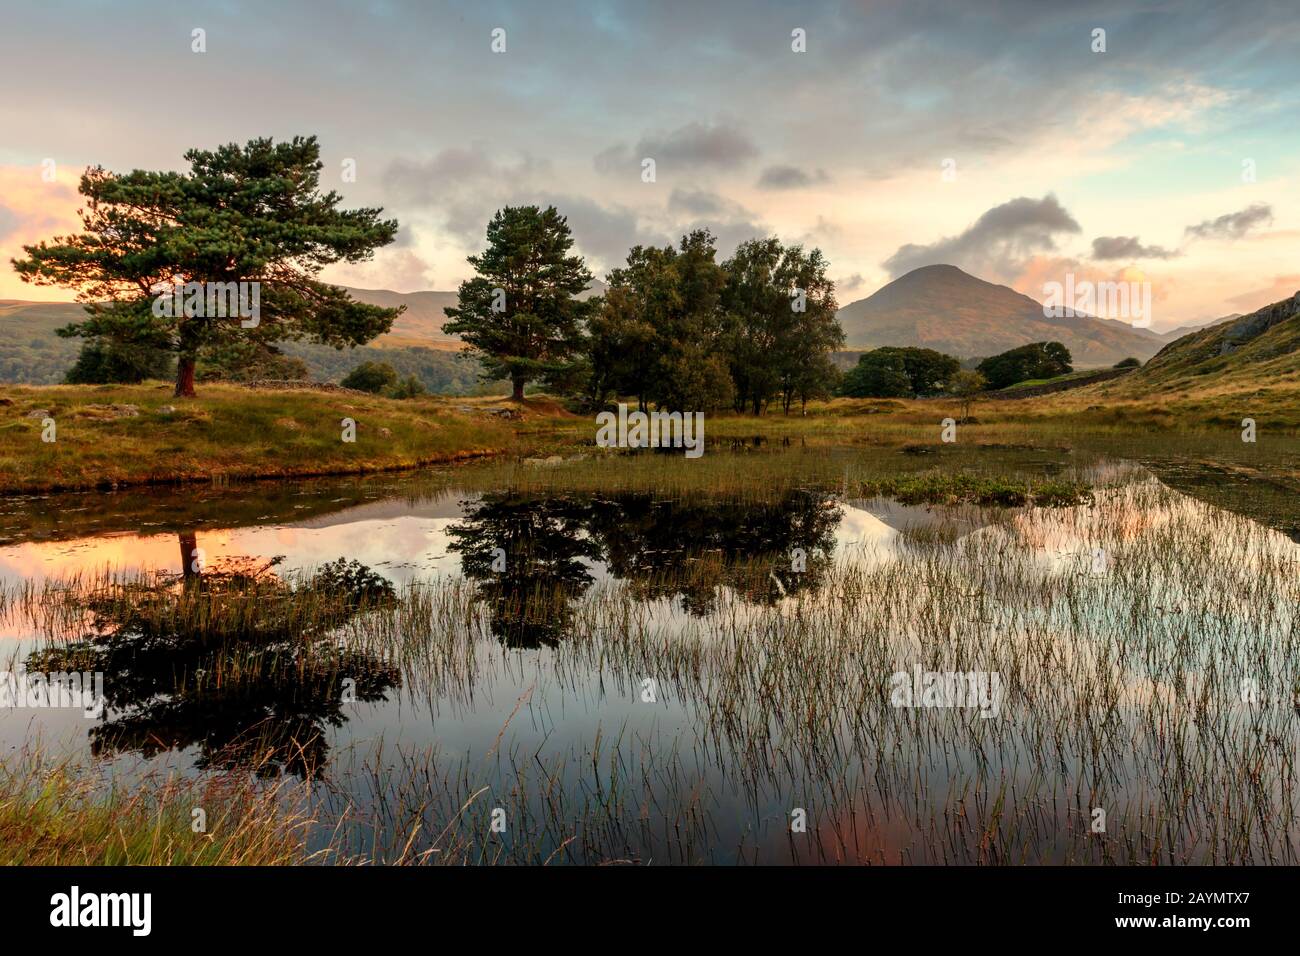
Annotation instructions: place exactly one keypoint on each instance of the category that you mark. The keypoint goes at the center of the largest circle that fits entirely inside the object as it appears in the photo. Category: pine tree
(252, 214)
(520, 313)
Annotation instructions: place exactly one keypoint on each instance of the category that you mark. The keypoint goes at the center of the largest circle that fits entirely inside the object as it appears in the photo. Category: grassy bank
(107, 436)
(58, 815)
(120, 435)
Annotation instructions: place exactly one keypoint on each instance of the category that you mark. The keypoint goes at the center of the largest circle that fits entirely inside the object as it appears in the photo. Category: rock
(39, 413)
(385, 433)
(167, 410)
(114, 411)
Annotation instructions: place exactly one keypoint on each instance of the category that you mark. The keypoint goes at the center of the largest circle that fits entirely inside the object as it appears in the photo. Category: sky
(990, 135)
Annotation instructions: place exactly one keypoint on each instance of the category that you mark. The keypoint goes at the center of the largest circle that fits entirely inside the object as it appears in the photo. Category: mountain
(941, 307)
(1252, 351)
(421, 323)
(1173, 335)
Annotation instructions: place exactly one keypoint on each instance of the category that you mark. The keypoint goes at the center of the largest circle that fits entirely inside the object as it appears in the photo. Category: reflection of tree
(235, 662)
(688, 549)
(526, 556)
(664, 548)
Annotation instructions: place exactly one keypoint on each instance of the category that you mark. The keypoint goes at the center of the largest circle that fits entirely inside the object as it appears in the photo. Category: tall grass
(1125, 629)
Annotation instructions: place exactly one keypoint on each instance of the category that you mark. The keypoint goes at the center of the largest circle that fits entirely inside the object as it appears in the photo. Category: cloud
(789, 177)
(697, 202)
(1234, 225)
(398, 270)
(1128, 247)
(695, 146)
(603, 233)
(851, 284)
(426, 182)
(999, 244)
(1282, 287)
(8, 222)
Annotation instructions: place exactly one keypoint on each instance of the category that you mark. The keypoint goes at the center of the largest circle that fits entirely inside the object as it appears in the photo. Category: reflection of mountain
(237, 664)
(905, 518)
(530, 557)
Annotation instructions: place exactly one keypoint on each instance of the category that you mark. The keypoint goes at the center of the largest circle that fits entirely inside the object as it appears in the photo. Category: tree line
(676, 328)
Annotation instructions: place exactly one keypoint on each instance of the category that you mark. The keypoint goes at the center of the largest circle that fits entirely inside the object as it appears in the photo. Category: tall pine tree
(520, 313)
(250, 214)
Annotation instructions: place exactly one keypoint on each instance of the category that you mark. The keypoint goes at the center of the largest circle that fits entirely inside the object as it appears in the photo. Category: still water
(699, 672)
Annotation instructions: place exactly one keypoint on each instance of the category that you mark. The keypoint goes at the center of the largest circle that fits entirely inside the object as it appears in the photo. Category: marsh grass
(1124, 691)
(56, 813)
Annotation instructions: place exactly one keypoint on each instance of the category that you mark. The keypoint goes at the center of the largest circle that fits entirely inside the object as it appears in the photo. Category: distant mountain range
(421, 323)
(943, 308)
(939, 307)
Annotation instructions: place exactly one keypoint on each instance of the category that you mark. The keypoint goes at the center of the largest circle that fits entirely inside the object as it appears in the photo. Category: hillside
(1247, 368)
(1173, 335)
(941, 307)
(1260, 349)
(32, 354)
(422, 320)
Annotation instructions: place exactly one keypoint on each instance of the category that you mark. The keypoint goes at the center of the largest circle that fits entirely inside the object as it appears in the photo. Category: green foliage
(244, 360)
(1129, 363)
(409, 387)
(780, 308)
(891, 372)
(240, 214)
(879, 374)
(520, 313)
(659, 332)
(441, 372)
(373, 377)
(105, 362)
(1036, 360)
(380, 378)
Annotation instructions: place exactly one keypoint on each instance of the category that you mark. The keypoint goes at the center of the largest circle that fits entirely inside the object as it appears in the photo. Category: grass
(230, 433)
(56, 814)
(227, 432)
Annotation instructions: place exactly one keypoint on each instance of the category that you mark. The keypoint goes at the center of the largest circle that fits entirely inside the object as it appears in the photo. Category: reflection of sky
(567, 703)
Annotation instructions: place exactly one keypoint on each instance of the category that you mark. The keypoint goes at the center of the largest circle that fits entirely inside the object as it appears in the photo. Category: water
(628, 677)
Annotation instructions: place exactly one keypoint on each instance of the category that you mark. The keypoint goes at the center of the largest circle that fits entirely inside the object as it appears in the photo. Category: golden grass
(226, 432)
(59, 815)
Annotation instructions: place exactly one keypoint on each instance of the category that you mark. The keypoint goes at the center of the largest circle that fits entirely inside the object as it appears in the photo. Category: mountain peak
(945, 308)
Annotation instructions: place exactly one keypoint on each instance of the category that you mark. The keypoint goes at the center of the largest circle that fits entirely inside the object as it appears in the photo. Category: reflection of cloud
(999, 243)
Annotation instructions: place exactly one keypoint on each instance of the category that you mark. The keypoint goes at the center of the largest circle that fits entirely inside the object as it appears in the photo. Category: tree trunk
(518, 393)
(185, 377)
